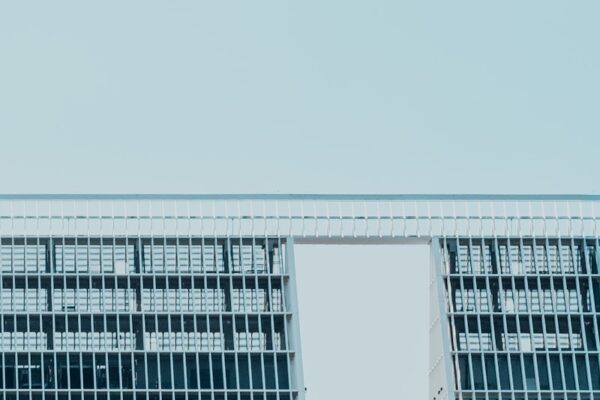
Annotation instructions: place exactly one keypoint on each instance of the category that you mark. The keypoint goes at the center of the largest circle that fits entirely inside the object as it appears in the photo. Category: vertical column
(441, 385)
(292, 320)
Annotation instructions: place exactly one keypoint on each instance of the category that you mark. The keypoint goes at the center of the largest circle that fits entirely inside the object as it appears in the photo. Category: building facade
(194, 296)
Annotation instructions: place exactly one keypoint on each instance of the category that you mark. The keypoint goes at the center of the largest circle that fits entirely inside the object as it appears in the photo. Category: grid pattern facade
(119, 297)
(523, 317)
(109, 318)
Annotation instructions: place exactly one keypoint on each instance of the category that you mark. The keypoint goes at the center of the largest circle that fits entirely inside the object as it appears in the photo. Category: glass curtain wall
(523, 317)
(126, 318)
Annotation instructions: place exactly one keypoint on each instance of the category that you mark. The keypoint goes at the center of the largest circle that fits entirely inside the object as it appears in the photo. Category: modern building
(177, 297)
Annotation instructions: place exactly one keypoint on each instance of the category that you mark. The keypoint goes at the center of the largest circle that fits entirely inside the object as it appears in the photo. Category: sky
(364, 321)
(302, 97)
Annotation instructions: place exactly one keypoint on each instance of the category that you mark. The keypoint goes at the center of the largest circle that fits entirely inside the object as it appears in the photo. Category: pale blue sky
(335, 96)
(303, 96)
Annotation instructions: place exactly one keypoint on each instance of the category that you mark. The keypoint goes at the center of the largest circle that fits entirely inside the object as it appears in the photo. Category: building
(110, 297)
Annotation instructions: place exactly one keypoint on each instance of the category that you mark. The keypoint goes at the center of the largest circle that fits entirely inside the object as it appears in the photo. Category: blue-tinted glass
(530, 377)
(543, 372)
(504, 372)
(569, 372)
(582, 372)
(595, 371)
(516, 372)
(490, 371)
(555, 370)
(464, 371)
(477, 373)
